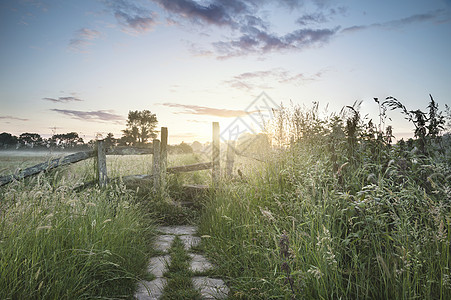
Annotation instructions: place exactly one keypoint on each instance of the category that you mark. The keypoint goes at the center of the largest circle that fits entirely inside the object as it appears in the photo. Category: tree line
(140, 131)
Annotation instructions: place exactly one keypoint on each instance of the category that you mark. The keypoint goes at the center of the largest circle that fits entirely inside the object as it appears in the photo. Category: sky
(81, 66)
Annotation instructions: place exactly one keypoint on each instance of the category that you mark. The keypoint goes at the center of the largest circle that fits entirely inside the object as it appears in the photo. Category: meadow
(336, 211)
(331, 208)
(59, 242)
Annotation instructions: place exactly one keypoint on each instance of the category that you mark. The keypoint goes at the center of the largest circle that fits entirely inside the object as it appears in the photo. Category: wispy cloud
(314, 18)
(134, 19)
(217, 12)
(208, 111)
(242, 16)
(230, 13)
(63, 99)
(12, 118)
(322, 16)
(418, 18)
(264, 79)
(94, 116)
(82, 39)
(257, 41)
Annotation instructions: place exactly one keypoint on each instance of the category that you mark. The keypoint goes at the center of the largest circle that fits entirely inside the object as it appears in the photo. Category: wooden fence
(159, 161)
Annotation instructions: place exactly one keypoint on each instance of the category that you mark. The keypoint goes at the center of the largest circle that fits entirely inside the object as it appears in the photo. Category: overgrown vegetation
(331, 208)
(337, 211)
(56, 243)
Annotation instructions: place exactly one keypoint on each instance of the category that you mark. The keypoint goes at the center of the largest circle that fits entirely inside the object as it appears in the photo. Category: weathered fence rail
(46, 166)
(159, 161)
(190, 168)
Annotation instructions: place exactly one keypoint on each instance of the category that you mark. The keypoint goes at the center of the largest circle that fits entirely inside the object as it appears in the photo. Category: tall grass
(56, 243)
(364, 219)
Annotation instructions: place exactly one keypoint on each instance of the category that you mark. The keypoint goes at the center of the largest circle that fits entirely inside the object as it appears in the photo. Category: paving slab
(163, 242)
(178, 230)
(190, 241)
(199, 263)
(211, 288)
(157, 265)
(150, 290)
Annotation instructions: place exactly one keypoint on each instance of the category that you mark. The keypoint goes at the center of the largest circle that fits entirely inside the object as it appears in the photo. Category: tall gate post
(156, 171)
(163, 156)
(101, 163)
(215, 154)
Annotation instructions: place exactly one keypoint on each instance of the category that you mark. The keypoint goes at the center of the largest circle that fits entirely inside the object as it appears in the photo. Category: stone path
(210, 288)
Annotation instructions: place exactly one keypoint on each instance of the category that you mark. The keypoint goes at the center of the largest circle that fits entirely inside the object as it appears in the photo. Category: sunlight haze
(82, 65)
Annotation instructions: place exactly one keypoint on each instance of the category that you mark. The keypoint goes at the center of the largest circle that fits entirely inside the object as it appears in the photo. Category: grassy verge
(59, 244)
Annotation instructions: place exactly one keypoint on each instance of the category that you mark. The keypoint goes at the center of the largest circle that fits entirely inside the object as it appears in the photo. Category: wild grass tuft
(59, 244)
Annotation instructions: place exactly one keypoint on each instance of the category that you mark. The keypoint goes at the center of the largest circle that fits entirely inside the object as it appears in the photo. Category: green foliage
(363, 218)
(7, 139)
(140, 127)
(59, 244)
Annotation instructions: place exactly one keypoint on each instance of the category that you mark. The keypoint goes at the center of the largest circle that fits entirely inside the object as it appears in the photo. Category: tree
(110, 141)
(30, 139)
(140, 127)
(7, 139)
(65, 140)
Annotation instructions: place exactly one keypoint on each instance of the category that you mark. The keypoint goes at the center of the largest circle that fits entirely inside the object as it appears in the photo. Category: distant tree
(125, 141)
(67, 140)
(110, 141)
(140, 127)
(30, 139)
(7, 140)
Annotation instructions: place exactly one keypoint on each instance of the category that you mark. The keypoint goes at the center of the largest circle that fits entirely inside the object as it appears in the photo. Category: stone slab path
(210, 288)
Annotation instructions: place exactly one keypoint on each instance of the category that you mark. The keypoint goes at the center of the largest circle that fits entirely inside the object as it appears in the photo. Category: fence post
(101, 163)
(230, 157)
(163, 156)
(215, 153)
(156, 166)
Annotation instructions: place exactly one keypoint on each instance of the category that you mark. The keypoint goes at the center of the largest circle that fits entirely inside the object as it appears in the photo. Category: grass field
(340, 214)
(56, 243)
(333, 210)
